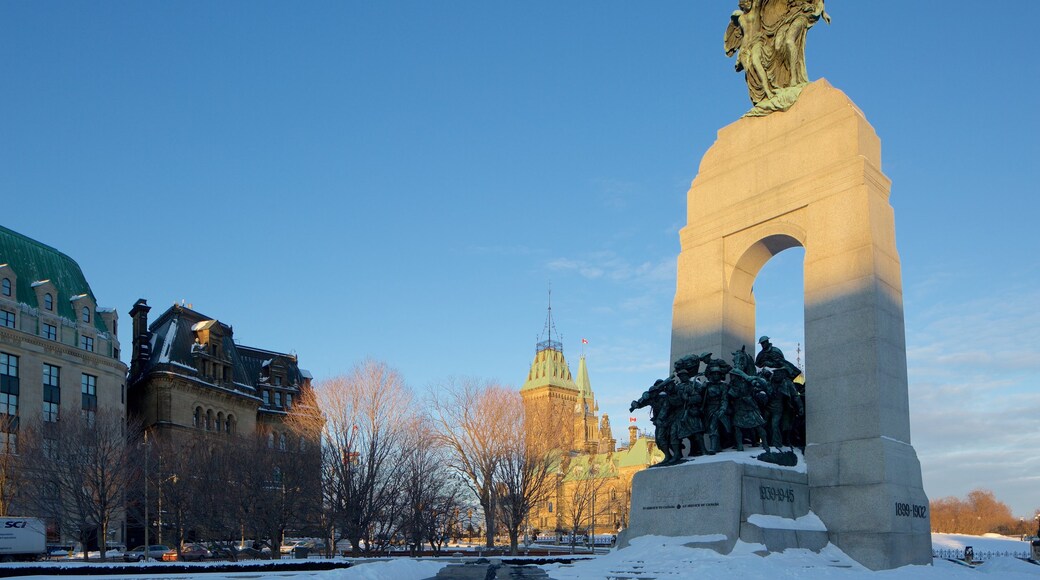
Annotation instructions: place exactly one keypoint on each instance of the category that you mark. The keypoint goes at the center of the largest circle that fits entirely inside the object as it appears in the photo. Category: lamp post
(162, 481)
(147, 460)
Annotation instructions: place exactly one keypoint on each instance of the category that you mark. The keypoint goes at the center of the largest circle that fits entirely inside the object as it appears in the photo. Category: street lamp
(170, 478)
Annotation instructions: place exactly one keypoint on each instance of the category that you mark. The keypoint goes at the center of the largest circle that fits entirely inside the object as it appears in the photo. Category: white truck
(22, 539)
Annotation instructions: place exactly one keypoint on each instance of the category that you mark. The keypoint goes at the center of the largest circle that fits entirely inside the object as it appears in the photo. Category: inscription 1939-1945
(906, 510)
(779, 494)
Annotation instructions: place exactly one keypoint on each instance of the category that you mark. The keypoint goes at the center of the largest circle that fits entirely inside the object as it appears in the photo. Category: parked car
(190, 553)
(288, 547)
(140, 553)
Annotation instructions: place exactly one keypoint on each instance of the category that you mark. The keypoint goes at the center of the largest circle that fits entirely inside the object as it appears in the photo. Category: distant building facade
(59, 351)
(190, 380)
(594, 479)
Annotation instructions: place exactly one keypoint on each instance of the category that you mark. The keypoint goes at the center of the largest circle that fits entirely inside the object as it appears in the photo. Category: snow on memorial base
(720, 499)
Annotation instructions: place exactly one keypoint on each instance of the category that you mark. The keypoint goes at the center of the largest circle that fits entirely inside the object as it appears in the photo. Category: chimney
(142, 348)
(633, 434)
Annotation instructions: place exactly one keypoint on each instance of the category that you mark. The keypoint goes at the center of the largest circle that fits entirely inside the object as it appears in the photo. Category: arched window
(219, 425)
(48, 301)
(6, 286)
(209, 419)
(197, 417)
(227, 424)
(86, 314)
(281, 442)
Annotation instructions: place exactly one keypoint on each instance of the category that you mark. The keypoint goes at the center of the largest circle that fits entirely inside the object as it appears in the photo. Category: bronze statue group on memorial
(757, 401)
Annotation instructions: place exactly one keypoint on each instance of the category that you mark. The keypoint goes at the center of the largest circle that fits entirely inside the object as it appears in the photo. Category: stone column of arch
(812, 177)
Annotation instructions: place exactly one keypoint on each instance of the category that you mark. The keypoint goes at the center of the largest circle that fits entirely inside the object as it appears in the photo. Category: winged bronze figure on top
(768, 37)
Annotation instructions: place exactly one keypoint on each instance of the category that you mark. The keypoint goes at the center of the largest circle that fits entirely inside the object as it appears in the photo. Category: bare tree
(979, 513)
(82, 467)
(431, 493)
(527, 467)
(11, 473)
(468, 416)
(362, 431)
(582, 503)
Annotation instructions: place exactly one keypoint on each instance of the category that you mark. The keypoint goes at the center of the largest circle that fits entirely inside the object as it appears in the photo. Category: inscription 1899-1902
(906, 510)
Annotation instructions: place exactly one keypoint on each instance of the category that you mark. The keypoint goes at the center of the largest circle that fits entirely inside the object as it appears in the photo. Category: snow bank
(398, 569)
(668, 558)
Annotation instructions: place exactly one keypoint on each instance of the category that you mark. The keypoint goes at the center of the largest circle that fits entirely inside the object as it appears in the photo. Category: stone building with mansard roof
(190, 379)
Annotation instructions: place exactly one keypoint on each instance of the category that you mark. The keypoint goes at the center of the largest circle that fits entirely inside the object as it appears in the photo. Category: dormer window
(48, 301)
(277, 381)
(5, 287)
(86, 315)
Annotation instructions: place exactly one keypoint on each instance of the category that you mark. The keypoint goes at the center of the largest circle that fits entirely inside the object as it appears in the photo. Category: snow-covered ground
(663, 558)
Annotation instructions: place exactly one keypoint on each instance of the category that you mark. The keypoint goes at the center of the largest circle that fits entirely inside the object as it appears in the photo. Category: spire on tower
(548, 343)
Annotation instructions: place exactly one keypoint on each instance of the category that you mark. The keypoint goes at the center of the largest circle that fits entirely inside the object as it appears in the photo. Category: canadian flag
(632, 419)
(584, 341)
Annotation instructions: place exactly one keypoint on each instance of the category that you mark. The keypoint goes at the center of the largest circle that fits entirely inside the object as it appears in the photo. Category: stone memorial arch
(811, 177)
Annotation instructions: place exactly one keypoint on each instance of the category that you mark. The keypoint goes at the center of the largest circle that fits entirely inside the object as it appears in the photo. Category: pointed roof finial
(547, 331)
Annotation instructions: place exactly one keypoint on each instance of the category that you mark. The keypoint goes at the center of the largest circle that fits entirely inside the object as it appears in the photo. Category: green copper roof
(584, 385)
(33, 261)
(549, 368)
(608, 464)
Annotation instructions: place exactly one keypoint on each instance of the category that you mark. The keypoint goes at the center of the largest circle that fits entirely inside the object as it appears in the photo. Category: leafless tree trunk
(11, 473)
(365, 417)
(469, 416)
(431, 495)
(82, 467)
(527, 468)
(582, 498)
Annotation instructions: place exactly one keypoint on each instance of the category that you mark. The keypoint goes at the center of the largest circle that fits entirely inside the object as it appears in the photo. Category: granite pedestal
(716, 503)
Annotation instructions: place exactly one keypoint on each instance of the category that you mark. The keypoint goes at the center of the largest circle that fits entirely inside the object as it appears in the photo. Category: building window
(270, 440)
(227, 424)
(281, 442)
(8, 384)
(86, 343)
(209, 420)
(50, 332)
(7, 319)
(6, 285)
(267, 398)
(88, 388)
(196, 417)
(277, 381)
(288, 400)
(277, 399)
(86, 314)
(48, 301)
(550, 507)
(51, 392)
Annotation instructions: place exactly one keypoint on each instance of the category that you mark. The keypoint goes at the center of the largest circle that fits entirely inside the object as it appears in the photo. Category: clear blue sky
(403, 180)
